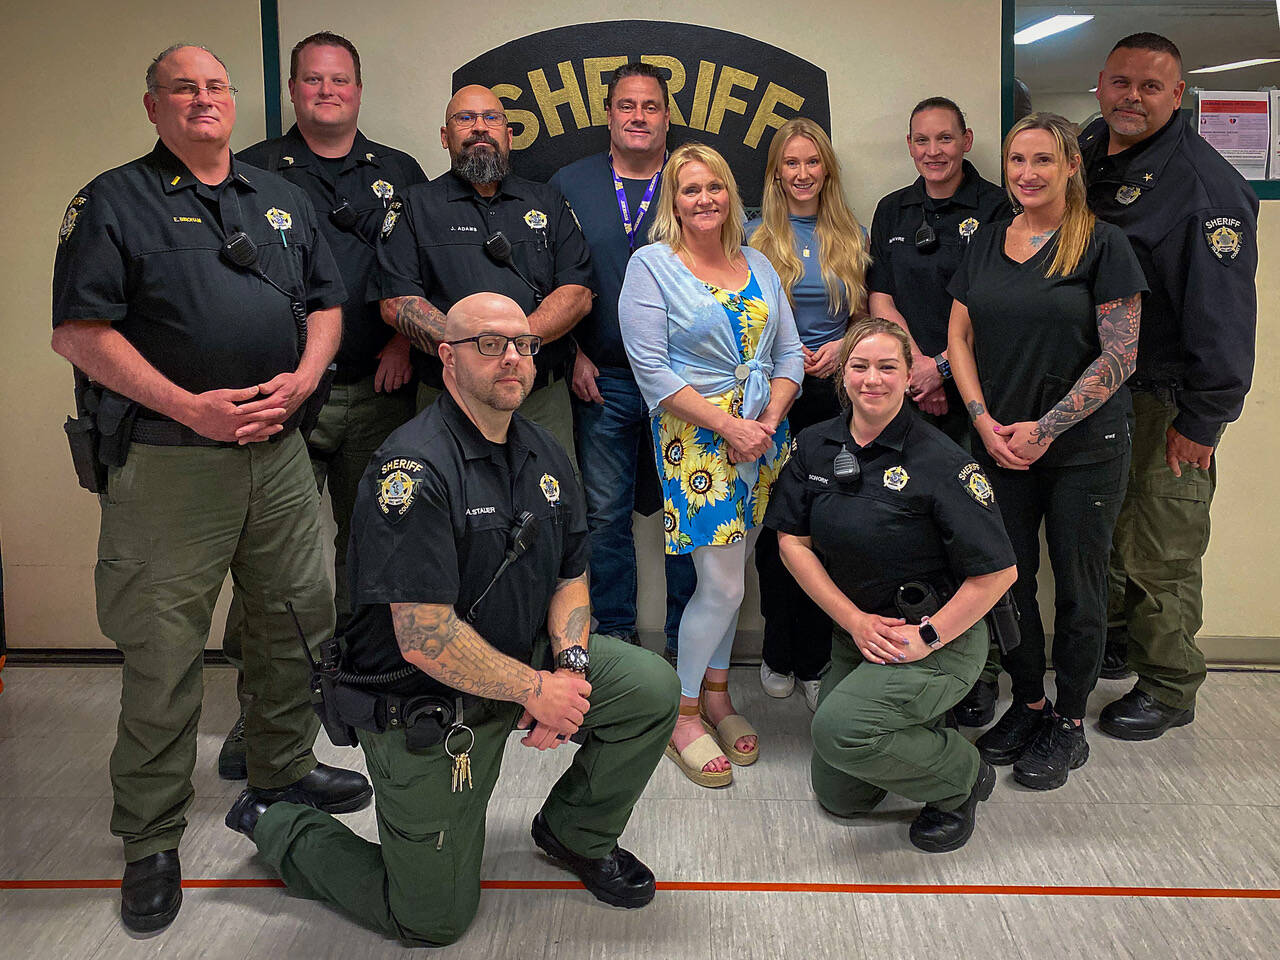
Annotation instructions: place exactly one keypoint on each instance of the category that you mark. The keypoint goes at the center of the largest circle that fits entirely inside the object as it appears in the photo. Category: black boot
(1059, 748)
(1140, 716)
(244, 813)
(617, 878)
(1013, 733)
(979, 705)
(326, 788)
(232, 764)
(939, 831)
(151, 892)
(1115, 655)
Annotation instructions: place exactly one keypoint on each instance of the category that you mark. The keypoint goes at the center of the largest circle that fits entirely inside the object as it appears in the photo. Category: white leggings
(711, 618)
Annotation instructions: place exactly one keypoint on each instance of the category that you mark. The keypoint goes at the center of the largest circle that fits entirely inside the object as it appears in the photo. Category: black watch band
(573, 658)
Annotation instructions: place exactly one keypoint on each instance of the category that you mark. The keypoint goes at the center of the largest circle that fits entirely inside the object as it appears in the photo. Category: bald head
(480, 311)
(475, 98)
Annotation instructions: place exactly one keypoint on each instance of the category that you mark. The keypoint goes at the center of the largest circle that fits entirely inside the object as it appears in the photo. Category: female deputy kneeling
(871, 500)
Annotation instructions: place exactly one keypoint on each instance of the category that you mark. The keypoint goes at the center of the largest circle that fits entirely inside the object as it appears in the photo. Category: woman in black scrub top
(873, 499)
(1043, 334)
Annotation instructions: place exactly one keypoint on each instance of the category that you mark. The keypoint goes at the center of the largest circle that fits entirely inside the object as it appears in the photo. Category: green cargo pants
(879, 727)
(1160, 538)
(174, 520)
(421, 884)
(352, 426)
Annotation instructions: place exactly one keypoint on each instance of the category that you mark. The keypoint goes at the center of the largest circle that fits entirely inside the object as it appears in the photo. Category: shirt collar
(966, 194)
(475, 446)
(175, 176)
(459, 189)
(1141, 164)
(299, 153)
(893, 436)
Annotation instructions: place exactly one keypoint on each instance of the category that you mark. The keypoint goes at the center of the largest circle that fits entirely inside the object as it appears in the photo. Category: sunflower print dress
(704, 499)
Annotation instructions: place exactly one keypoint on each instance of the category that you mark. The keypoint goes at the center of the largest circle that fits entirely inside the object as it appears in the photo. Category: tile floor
(1198, 808)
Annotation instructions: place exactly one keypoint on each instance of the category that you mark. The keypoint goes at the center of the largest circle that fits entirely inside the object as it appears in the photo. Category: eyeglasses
(189, 91)
(495, 345)
(468, 118)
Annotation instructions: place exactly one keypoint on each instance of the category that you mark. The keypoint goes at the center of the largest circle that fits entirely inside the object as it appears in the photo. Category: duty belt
(170, 433)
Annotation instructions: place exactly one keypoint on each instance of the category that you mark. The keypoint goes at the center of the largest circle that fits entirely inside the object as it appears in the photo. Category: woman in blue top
(713, 346)
(821, 253)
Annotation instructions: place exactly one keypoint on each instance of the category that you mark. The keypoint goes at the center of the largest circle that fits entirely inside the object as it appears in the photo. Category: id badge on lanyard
(632, 229)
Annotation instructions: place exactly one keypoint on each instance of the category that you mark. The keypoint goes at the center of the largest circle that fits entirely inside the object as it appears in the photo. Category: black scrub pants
(797, 634)
(1078, 505)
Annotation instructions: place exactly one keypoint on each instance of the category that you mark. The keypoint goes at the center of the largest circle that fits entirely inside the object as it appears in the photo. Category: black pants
(797, 634)
(1079, 506)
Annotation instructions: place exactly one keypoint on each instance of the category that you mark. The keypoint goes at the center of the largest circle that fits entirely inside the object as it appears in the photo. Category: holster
(312, 406)
(100, 434)
(344, 708)
(1002, 622)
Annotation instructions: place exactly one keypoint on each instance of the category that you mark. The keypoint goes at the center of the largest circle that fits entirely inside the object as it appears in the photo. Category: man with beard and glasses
(500, 645)
(1193, 222)
(432, 253)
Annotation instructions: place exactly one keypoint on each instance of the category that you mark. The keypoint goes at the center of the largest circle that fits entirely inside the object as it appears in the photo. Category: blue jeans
(611, 438)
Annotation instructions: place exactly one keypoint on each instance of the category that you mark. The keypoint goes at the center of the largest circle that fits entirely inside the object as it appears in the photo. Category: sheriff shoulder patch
(1224, 237)
(397, 485)
(390, 220)
(976, 485)
(69, 218)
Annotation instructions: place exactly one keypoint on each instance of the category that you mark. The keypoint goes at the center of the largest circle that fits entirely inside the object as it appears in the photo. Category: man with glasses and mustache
(201, 289)
(432, 253)
(1192, 221)
(468, 583)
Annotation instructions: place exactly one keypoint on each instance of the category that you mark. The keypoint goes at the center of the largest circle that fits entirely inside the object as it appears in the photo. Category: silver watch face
(574, 658)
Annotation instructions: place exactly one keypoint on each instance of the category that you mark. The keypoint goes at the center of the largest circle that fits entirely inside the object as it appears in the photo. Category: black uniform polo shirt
(921, 509)
(918, 281)
(1033, 336)
(368, 179)
(1193, 222)
(432, 246)
(139, 246)
(433, 519)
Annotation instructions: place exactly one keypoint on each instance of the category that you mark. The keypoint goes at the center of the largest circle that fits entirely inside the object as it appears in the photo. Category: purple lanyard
(633, 229)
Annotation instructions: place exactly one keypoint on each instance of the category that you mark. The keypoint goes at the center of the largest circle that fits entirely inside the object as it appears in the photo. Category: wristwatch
(944, 366)
(573, 658)
(930, 635)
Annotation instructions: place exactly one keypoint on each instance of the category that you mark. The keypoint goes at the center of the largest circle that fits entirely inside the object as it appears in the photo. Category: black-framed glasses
(189, 91)
(468, 118)
(495, 344)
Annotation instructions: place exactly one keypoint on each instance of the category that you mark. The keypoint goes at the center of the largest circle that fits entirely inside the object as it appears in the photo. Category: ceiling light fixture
(1238, 65)
(1047, 28)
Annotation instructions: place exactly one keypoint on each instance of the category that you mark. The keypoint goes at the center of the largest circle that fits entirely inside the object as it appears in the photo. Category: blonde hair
(1076, 230)
(869, 327)
(842, 248)
(666, 222)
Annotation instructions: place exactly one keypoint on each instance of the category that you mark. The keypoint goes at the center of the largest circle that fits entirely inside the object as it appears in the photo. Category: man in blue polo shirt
(611, 194)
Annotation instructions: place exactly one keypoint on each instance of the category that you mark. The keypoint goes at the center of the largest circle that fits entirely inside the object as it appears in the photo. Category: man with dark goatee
(432, 253)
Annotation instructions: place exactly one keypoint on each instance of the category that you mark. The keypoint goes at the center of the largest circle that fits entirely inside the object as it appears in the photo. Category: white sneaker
(811, 688)
(776, 684)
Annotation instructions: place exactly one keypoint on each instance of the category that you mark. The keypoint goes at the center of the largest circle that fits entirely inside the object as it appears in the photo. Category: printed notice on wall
(1237, 124)
(1273, 171)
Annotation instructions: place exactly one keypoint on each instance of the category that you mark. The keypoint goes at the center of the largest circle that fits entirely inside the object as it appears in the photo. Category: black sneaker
(232, 764)
(1059, 749)
(1012, 734)
(1115, 655)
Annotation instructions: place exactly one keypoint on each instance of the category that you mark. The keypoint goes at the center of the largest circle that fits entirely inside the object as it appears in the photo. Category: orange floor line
(970, 889)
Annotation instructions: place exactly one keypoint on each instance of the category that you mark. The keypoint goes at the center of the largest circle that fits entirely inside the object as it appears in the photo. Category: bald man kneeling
(468, 586)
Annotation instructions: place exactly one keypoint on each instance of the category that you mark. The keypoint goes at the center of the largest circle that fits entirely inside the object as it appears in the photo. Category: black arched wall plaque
(728, 90)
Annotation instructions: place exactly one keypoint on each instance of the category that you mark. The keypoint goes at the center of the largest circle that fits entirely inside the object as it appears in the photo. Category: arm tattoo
(569, 615)
(1118, 322)
(418, 320)
(975, 409)
(432, 638)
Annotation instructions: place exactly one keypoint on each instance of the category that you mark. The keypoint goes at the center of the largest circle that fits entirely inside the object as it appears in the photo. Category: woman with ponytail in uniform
(1043, 334)
(821, 254)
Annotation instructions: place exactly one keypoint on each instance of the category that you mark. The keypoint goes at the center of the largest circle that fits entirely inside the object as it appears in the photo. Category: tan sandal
(731, 729)
(693, 759)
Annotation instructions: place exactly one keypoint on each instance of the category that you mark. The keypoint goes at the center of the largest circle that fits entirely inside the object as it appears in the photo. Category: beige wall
(73, 74)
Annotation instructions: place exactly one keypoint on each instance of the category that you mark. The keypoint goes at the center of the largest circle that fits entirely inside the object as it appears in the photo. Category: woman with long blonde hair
(821, 254)
(1043, 334)
(713, 346)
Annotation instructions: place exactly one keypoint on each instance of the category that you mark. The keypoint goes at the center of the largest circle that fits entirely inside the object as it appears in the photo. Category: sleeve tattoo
(1118, 323)
(418, 320)
(569, 617)
(432, 638)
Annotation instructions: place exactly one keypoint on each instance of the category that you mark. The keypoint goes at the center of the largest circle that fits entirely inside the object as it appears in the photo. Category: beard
(481, 166)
